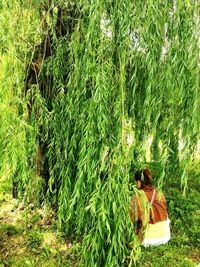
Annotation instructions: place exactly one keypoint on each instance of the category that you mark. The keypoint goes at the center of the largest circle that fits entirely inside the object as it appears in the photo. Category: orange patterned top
(139, 206)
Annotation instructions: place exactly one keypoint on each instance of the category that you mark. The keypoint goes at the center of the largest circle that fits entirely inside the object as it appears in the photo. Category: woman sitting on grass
(148, 211)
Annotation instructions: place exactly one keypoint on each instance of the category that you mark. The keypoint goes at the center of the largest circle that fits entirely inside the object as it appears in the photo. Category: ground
(29, 238)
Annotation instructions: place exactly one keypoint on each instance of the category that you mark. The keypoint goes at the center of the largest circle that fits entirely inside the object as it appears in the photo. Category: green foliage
(9, 229)
(34, 240)
(18, 136)
(107, 77)
(21, 238)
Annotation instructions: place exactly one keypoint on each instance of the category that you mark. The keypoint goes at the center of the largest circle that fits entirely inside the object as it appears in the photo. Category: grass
(28, 239)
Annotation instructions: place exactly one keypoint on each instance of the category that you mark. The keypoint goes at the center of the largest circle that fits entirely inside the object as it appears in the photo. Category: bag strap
(152, 198)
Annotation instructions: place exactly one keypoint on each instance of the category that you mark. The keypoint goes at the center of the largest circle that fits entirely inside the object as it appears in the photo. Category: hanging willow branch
(106, 78)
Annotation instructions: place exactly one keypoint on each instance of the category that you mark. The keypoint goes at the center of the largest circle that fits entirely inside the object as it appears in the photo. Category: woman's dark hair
(144, 176)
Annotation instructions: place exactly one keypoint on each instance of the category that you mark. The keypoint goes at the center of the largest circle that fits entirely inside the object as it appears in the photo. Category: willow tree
(18, 23)
(103, 78)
